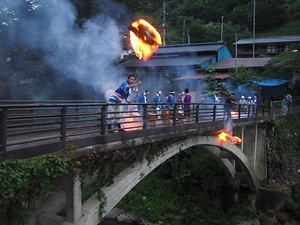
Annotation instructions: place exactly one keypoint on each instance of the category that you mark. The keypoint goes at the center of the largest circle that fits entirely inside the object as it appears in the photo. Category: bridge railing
(37, 124)
(277, 107)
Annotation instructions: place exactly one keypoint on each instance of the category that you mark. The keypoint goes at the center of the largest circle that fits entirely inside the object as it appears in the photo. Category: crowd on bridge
(129, 92)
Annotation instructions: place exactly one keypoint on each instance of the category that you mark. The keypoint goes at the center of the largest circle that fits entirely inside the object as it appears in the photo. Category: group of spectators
(128, 91)
(248, 106)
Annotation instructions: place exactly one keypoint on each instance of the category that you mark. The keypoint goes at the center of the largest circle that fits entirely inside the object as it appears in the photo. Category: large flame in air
(144, 39)
(228, 138)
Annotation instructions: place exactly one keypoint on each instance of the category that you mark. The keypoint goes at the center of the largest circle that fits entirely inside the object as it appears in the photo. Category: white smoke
(85, 54)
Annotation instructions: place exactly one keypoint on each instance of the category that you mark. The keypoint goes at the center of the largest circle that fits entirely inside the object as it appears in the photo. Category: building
(269, 46)
(232, 63)
(172, 61)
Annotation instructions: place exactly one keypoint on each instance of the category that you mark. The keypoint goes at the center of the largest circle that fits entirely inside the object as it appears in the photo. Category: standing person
(286, 101)
(228, 104)
(134, 97)
(143, 99)
(187, 104)
(250, 105)
(255, 102)
(121, 93)
(180, 99)
(170, 99)
(216, 99)
(158, 106)
(243, 103)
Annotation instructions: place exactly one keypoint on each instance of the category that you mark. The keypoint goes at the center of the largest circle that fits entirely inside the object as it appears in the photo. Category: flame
(234, 115)
(228, 138)
(223, 136)
(144, 39)
(131, 121)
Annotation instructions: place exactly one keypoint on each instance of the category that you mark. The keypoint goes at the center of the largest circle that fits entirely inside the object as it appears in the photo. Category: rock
(123, 219)
(113, 214)
(250, 222)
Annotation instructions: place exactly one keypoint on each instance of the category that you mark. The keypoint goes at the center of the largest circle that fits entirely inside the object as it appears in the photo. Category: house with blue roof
(173, 61)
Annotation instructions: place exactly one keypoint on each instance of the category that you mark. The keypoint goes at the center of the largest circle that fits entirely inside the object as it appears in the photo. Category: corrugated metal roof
(168, 61)
(229, 63)
(189, 48)
(279, 39)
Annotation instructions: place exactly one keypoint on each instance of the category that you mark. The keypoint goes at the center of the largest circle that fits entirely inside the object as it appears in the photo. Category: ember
(234, 115)
(131, 121)
(228, 138)
(144, 39)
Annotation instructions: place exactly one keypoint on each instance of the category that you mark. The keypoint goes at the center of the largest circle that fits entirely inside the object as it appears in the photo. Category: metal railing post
(197, 113)
(3, 131)
(174, 114)
(249, 111)
(214, 112)
(103, 120)
(145, 115)
(63, 123)
(240, 106)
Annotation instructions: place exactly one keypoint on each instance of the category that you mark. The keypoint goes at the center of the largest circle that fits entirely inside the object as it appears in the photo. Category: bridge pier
(254, 147)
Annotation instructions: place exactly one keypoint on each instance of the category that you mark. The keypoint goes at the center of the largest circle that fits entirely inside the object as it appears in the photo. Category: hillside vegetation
(43, 41)
(201, 19)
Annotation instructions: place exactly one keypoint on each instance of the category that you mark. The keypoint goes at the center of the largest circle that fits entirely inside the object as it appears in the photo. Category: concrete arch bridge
(244, 165)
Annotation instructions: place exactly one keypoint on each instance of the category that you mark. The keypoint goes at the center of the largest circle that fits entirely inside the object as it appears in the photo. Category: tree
(286, 63)
(243, 76)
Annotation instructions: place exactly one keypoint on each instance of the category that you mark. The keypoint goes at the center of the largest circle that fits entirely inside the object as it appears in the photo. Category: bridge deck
(26, 127)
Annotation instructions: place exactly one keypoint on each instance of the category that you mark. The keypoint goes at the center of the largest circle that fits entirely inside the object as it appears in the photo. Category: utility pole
(164, 23)
(188, 35)
(236, 49)
(253, 49)
(183, 32)
(222, 20)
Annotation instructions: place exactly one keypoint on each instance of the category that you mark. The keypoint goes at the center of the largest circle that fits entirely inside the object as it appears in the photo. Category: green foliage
(241, 213)
(152, 205)
(243, 76)
(22, 179)
(286, 63)
(212, 86)
(292, 204)
(286, 137)
(191, 172)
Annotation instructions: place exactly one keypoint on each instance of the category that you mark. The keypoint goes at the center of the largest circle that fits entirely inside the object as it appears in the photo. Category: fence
(278, 109)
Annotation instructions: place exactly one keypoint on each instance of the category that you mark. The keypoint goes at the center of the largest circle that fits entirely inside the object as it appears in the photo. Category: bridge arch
(226, 154)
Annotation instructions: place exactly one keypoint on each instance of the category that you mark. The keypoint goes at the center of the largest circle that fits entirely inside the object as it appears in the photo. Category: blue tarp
(272, 87)
(270, 82)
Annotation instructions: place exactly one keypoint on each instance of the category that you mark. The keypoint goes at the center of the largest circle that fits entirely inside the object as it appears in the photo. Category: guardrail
(277, 107)
(36, 123)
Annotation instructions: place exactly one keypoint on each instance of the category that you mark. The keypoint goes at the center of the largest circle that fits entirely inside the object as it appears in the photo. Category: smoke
(86, 54)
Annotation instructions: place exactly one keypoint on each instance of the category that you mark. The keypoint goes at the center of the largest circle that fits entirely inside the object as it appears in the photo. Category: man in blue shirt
(144, 97)
(170, 99)
(158, 106)
(120, 94)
